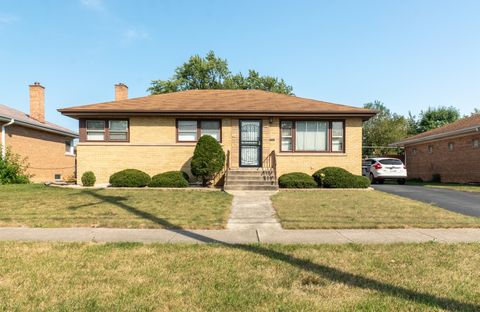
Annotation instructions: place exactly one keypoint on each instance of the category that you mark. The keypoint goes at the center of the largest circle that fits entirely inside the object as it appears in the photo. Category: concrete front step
(229, 187)
(250, 182)
(249, 178)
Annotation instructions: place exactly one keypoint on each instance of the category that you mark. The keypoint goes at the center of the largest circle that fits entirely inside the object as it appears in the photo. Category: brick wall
(45, 152)
(153, 149)
(462, 164)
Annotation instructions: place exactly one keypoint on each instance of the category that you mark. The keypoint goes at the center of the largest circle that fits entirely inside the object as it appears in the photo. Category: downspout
(4, 145)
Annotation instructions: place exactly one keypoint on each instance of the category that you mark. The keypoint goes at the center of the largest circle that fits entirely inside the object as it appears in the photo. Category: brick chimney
(121, 91)
(37, 102)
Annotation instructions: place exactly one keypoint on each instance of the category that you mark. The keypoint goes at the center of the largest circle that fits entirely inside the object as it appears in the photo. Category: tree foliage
(383, 129)
(436, 117)
(212, 72)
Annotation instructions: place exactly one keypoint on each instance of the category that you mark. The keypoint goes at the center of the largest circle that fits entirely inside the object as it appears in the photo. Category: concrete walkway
(380, 236)
(252, 210)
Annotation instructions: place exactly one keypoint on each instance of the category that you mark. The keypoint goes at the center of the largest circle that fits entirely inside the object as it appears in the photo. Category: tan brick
(45, 152)
(153, 149)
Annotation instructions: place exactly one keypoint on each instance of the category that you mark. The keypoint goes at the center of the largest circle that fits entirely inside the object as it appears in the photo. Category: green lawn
(452, 186)
(338, 209)
(35, 205)
(136, 277)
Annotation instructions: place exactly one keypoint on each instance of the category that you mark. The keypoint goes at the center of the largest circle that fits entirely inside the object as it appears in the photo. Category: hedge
(88, 178)
(130, 178)
(296, 180)
(169, 179)
(335, 177)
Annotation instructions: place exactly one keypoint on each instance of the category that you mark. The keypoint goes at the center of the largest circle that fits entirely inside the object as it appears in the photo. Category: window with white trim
(95, 130)
(476, 143)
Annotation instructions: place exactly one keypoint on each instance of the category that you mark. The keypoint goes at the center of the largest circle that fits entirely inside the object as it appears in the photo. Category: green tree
(383, 129)
(254, 81)
(208, 159)
(436, 117)
(212, 72)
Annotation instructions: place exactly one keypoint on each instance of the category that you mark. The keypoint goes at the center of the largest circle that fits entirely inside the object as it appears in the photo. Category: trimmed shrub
(335, 177)
(13, 169)
(169, 179)
(185, 176)
(129, 178)
(208, 159)
(296, 180)
(88, 178)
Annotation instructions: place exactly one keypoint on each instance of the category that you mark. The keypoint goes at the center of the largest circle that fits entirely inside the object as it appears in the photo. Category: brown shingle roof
(7, 113)
(454, 128)
(219, 101)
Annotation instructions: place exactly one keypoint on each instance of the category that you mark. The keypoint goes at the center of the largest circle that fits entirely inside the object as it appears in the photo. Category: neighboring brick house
(47, 147)
(451, 151)
(158, 133)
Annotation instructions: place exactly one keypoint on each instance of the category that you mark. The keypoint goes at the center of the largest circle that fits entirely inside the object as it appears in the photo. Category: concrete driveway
(457, 201)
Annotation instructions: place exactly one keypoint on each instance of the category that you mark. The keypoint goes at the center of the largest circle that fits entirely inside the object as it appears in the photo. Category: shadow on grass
(324, 271)
(119, 201)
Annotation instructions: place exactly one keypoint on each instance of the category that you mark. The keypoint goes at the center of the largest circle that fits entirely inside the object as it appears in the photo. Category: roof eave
(437, 136)
(77, 114)
(38, 127)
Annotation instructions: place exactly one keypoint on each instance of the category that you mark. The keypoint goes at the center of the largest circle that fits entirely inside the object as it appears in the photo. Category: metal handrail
(270, 162)
(227, 167)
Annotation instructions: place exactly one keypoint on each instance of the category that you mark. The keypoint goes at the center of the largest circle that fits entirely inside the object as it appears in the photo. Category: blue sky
(408, 54)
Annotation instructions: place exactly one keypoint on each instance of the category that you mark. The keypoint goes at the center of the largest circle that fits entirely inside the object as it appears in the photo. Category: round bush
(169, 179)
(296, 180)
(88, 178)
(129, 178)
(335, 177)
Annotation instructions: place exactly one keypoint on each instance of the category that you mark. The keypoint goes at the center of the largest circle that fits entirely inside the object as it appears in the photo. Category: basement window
(450, 146)
(414, 151)
(476, 143)
(58, 177)
(430, 149)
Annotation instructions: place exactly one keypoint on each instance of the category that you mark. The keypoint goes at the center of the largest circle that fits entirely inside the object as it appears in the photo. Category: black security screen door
(250, 143)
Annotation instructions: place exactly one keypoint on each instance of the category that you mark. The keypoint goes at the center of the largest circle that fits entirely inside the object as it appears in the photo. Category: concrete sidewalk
(364, 236)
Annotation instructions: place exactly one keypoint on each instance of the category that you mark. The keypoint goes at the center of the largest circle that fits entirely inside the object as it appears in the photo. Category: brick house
(451, 151)
(47, 147)
(158, 133)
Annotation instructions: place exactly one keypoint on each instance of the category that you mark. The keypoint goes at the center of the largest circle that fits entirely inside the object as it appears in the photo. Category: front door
(250, 143)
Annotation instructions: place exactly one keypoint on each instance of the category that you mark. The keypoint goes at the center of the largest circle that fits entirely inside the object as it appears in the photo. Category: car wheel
(372, 178)
(401, 181)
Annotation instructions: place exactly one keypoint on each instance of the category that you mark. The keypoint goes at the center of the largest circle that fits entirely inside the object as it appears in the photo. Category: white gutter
(4, 145)
(437, 136)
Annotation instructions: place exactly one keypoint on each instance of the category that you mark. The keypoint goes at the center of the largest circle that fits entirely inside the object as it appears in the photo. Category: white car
(381, 169)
